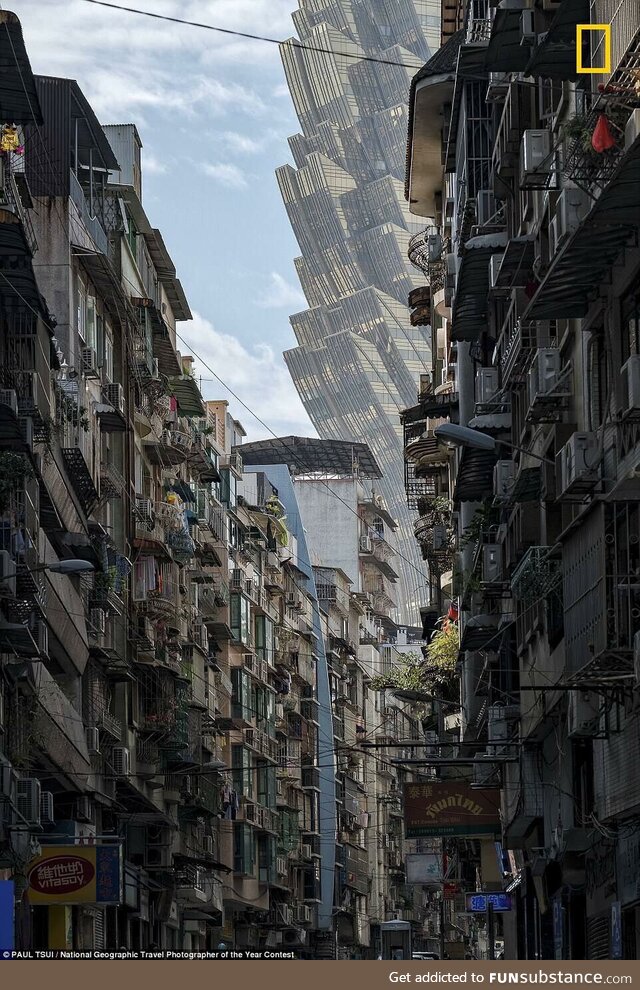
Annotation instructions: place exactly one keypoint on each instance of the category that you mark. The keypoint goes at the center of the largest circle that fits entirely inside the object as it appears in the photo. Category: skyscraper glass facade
(358, 360)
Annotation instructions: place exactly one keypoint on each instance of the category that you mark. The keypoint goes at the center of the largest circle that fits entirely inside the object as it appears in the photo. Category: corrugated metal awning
(555, 56)
(474, 480)
(505, 53)
(469, 315)
(19, 103)
(579, 268)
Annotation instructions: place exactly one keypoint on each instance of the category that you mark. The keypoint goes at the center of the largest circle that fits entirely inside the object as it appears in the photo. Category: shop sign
(76, 875)
(424, 868)
(450, 808)
(480, 902)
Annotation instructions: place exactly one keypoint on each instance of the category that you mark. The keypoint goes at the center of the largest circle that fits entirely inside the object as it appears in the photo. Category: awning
(504, 52)
(99, 269)
(555, 56)
(580, 267)
(18, 285)
(478, 632)
(19, 103)
(469, 315)
(496, 422)
(474, 480)
(515, 267)
(184, 490)
(187, 393)
(430, 406)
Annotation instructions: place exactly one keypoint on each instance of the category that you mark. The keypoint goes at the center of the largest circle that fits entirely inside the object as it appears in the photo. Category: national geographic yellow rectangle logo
(605, 30)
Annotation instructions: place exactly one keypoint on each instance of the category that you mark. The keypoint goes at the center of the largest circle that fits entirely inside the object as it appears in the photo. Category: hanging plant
(14, 471)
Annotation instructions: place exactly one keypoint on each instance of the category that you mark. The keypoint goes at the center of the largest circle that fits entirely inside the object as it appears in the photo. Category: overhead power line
(290, 42)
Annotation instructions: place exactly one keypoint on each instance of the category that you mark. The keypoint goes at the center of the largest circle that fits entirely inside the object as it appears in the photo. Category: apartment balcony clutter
(524, 171)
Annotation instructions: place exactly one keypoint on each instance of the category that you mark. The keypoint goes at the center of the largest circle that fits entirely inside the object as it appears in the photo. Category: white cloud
(281, 294)
(241, 143)
(258, 376)
(225, 173)
(152, 165)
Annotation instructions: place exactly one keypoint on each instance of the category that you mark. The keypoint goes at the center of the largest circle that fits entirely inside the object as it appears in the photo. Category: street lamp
(464, 436)
(72, 566)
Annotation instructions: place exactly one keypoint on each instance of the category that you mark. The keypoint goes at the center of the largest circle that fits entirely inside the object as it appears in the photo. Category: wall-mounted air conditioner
(89, 360)
(120, 761)
(484, 774)
(503, 479)
(527, 27)
(47, 815)
(93, 739)
(28, 795)
(536, 158)
(491, 563)
(306, 850)
(434, 247)
(578, 464)
(487, 384)
(440, 541)
(583, 715)
(631, 384)
(572, 207)
(115, 396)
(365, 544)
(83, 810)
(544, 372)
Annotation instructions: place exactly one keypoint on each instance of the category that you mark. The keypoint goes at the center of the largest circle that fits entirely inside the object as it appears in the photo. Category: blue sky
(214, 115)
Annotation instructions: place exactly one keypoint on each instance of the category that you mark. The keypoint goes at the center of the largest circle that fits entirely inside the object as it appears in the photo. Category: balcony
(78, 463)
(169, 449)
(538, 575)
(262, 744)
(91, 223)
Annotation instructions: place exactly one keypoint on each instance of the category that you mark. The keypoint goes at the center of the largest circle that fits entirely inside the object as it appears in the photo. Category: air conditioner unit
(8, 783)
(440, 539)
(631, 384)
(208, 845)
(7, 574)
(98, 621)
(301, 913)
(47, 815)
(583, 715)
(248, 588)
(115, 396)
(281, 866)
(89, 360)
(485, 207)
(120, 761)
(9, 398)
(503, 479)
(491, 563)
(544, 372)
(578, 464)
(535, 158)
(28, 795)
(434, 247)
(487, 384)
(249, 810)
(145, 510)
(306, 850)
(83, 810)
(451, 266)
(365, 544)
(292, 598)
(632, 129)
(527, 27)
(92, 734)
(572, 207)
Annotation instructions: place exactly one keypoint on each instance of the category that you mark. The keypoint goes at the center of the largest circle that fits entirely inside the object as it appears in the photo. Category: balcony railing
(537, 575)
(92, 224)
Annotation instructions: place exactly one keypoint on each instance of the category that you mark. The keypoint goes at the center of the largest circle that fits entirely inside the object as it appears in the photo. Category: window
(266, 859)
(90, 329)
(264, 638)
(240, 618)
(242, 771)
(241, 706)
(81, 307)
(266, 785)
(108, 353)
(243, 849)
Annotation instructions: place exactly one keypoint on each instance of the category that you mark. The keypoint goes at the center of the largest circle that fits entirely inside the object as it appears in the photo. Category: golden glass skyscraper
(358, 361)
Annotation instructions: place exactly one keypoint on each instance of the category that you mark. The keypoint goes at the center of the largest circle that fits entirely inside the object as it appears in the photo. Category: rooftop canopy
(307, 455)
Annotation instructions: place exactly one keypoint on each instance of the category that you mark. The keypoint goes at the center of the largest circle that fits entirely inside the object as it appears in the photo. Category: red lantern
(602, 139)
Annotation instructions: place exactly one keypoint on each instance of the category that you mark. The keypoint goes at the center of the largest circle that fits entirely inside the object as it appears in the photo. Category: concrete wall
(330, 526)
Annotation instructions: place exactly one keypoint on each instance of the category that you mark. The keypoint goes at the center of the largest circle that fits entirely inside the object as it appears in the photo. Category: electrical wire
(291, 43)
